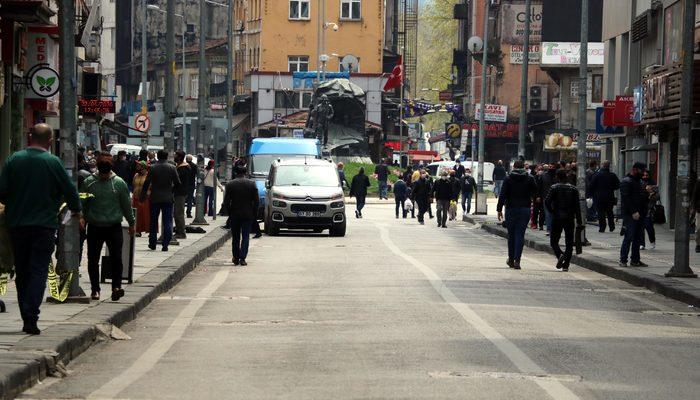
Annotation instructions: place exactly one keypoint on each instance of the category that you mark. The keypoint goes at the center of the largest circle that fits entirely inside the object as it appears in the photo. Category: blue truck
(264, 151)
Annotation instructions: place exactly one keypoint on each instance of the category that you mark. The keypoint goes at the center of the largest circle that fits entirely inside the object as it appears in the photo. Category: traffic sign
(453, 130)
(143, 123)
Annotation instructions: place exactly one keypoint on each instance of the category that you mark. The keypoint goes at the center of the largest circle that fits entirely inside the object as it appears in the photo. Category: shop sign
(569, 53)
(42, 76)
(516, 54)
(624, 111)
(494, 130)
(492, 112)
(638, 104)
(654, 93)
(603, 127)
(567, 141)
(513, 27)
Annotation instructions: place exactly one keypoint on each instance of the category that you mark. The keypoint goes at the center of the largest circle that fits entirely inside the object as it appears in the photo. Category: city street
(393, 310)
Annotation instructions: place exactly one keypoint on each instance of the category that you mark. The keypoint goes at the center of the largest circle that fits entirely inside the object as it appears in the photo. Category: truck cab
(264, 151)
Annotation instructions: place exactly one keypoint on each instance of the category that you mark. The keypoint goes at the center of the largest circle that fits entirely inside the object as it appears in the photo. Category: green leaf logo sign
(44, 82)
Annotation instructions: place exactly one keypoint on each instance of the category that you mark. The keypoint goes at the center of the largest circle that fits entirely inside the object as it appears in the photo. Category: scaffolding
(408, 42)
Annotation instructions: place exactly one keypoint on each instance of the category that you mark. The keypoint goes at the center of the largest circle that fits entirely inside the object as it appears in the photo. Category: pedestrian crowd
(140, 190)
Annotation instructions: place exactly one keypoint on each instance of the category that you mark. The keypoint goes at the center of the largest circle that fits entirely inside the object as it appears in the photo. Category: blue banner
(305, 80)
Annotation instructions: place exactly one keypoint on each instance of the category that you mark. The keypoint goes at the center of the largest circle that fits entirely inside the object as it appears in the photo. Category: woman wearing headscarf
(143, 209)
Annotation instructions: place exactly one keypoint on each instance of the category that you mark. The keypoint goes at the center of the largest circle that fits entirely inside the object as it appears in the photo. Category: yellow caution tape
(59, 284)
(3, 284)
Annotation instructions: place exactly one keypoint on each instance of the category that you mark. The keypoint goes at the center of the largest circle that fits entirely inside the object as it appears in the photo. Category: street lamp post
(144, 68)
(581, 156)
(169, 106)
(480, 199)
(201, 104)
(523, 81)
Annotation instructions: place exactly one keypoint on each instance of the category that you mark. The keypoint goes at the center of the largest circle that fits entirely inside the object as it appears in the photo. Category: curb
(36, 357)
(668, 287)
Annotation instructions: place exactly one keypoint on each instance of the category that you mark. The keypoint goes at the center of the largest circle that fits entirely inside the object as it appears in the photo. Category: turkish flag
(396, 77)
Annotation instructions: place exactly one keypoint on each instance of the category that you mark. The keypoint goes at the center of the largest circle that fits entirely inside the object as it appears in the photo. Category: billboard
(493, 112)
(513, 27)
(516, 54)
(569, 53)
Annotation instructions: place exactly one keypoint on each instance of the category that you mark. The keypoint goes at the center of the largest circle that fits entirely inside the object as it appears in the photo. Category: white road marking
(525, 364)
(161, 346)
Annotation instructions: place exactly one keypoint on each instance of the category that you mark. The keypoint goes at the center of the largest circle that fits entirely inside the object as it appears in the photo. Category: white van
(115, 148)
(435, 168)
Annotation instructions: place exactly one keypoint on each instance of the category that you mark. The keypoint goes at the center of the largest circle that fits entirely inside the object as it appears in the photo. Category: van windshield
(260, 163)
(306, 175)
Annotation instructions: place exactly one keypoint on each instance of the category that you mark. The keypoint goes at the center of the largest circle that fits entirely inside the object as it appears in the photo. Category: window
(180, 85)
(350, 9)
(112, 38)
(292, 100)
(672, 34)
(299, 9)
(194, 86)
(298, 63)
(597, 88)
(161, 86)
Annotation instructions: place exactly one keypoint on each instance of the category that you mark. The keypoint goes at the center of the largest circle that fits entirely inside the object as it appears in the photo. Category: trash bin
(127, 259)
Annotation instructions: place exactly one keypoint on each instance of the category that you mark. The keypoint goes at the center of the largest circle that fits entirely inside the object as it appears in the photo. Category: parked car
(304, 194)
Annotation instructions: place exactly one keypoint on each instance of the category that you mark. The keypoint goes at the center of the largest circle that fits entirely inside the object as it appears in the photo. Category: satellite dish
(350, 63)
(475, 44)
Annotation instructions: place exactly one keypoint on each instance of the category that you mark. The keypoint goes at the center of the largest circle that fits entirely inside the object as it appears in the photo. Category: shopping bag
(408, 205)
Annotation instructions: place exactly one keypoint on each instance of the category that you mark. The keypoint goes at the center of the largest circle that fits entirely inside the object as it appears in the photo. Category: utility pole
(482, 113)
(169, 106)
(201, 110)
(229, 94)
(185, 140)
(581, 159)
(318, 43)
(681, 261)
(523, 81)
(70, 239)
(144, 68)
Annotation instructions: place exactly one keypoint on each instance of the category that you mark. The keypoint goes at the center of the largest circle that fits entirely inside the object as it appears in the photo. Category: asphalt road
(394, 310)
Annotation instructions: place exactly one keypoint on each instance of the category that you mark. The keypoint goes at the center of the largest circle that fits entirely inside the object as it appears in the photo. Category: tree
(437, 36)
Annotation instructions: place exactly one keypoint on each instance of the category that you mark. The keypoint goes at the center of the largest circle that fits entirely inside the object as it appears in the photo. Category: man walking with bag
(162, 180)
(562, 202)
(634, 207)
(33, 185)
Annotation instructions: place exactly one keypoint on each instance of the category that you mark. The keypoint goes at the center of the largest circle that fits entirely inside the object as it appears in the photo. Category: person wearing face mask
(442, 191)
(104, 214)
(421, 195)
(468, 189)
(635, 201)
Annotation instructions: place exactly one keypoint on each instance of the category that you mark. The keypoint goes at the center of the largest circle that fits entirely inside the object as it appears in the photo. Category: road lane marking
(161, 346)
(525, 364)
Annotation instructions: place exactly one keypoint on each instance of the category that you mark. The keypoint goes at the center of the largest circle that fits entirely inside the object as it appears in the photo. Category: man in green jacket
(104, 214)
(33, 185)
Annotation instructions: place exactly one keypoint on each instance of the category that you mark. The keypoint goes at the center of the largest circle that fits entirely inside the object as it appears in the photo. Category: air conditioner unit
(538, 98)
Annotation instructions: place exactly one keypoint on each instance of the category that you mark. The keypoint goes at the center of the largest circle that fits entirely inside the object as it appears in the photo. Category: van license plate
(309, 214)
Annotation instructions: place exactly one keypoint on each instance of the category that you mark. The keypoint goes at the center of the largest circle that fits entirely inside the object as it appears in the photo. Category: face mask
(104, 167)
(444, 178)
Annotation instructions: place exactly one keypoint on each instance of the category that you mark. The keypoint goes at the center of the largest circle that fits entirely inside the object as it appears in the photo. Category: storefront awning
(643, 147)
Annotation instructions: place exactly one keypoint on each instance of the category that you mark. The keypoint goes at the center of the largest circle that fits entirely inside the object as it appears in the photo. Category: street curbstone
(34, 358)
(666, 287)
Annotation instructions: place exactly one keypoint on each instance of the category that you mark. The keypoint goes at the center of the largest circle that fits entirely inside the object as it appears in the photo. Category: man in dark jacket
(421, 195)
(241, 199)
(191, 184)
(443, 193)
(499, 175)
(634, 207)
(562, 201)
(518, 191)
(382, 172)
(358, 189)
(602, 188)
(544, 182)
(184, 172)
(459, 169)
(162, 180)
(121, 167)
(400, 195)
(468, 188)
(408, 175)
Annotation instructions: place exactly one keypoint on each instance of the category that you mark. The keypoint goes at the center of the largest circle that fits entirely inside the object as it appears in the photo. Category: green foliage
(352, 169)
(437, 36)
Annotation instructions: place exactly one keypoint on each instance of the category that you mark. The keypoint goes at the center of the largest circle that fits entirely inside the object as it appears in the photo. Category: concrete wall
(282, 37)
(616, 17)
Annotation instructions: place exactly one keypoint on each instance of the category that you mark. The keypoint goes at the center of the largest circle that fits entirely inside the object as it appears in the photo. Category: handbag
(659, 214)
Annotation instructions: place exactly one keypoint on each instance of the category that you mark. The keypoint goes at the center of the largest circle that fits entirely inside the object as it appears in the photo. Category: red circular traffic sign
(143, 123)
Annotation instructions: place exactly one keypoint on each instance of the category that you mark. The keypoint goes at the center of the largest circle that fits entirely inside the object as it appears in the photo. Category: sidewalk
(604, 253)
(69, 329)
